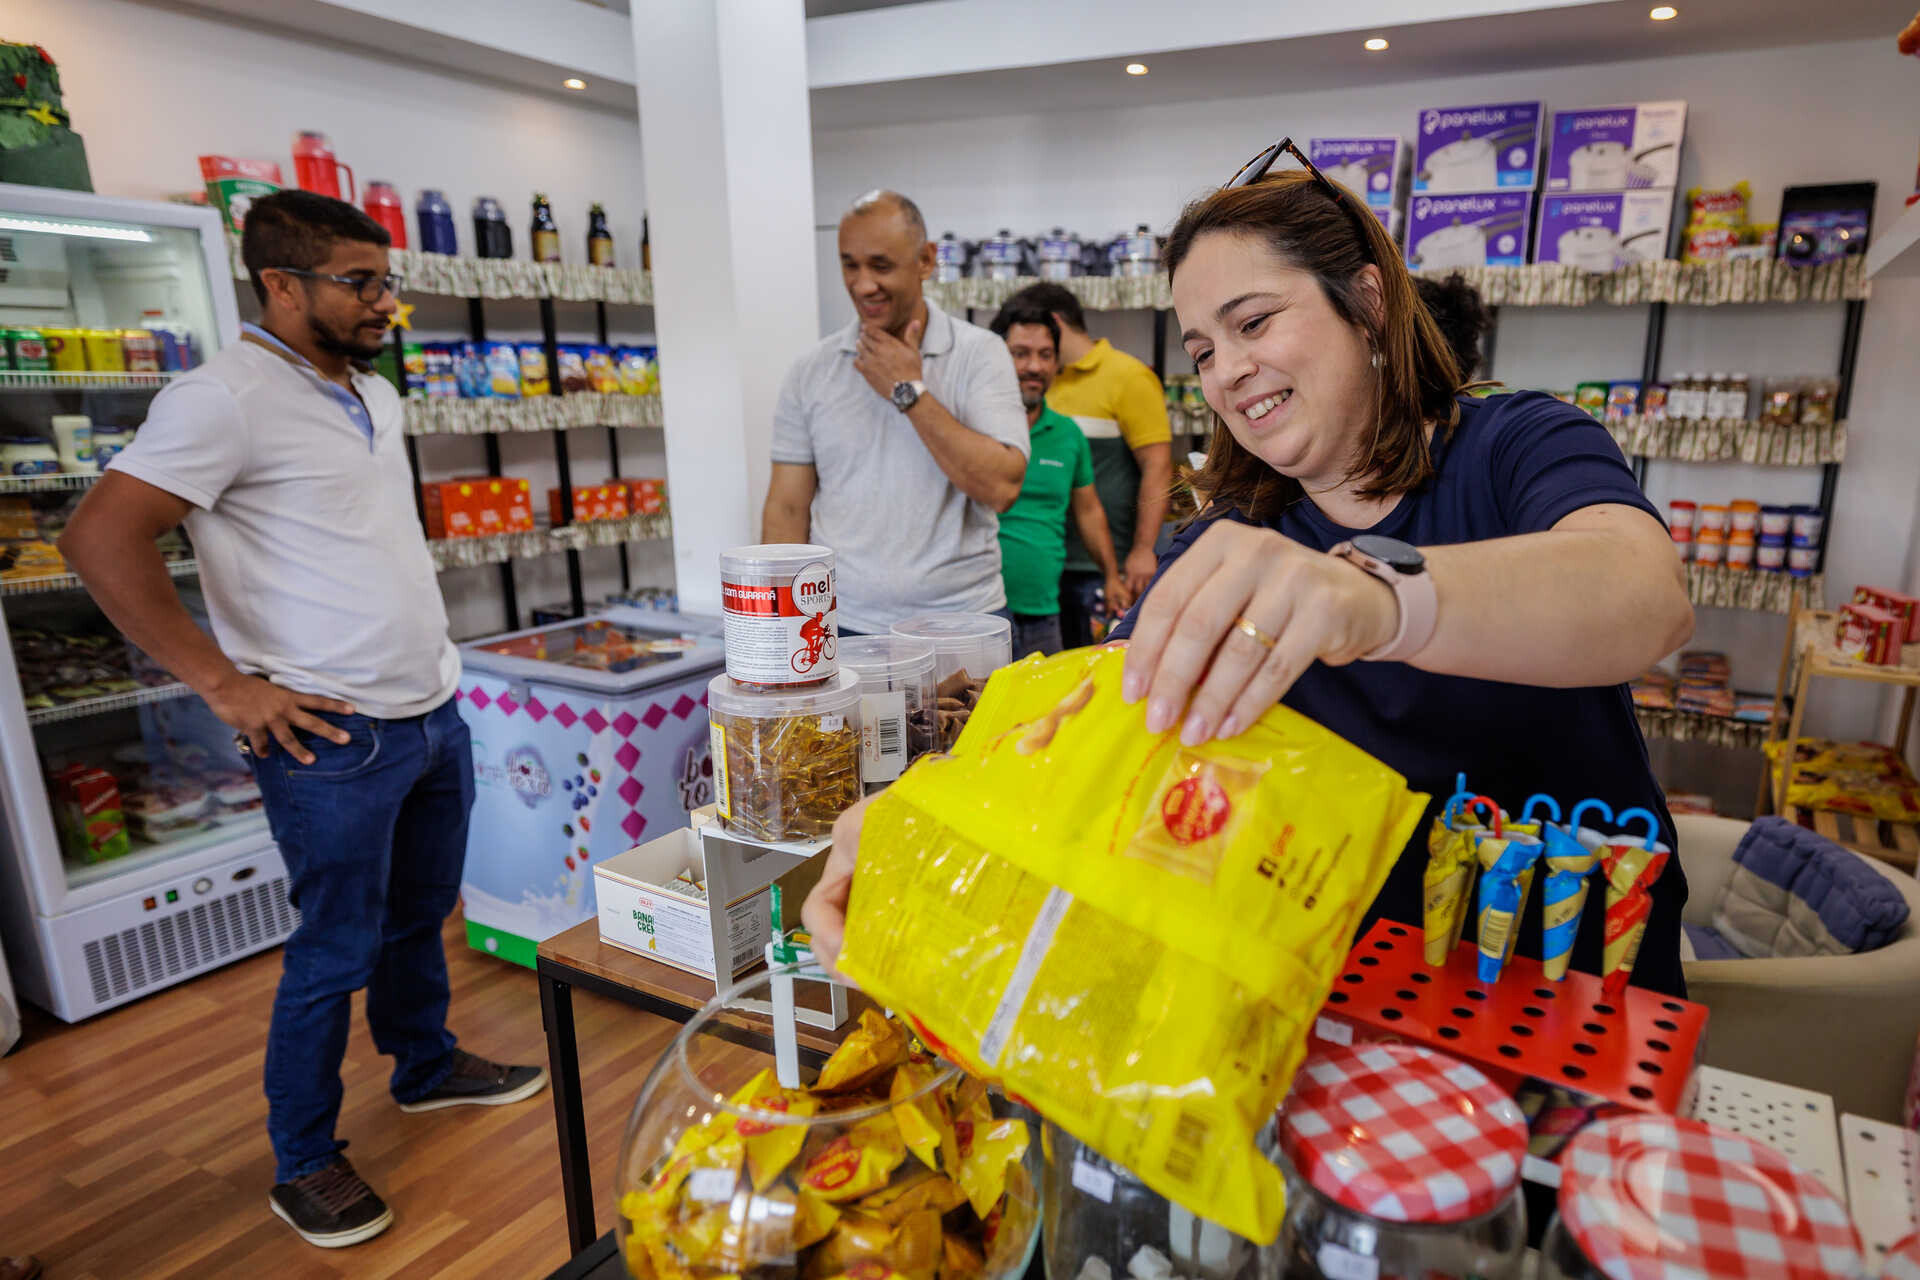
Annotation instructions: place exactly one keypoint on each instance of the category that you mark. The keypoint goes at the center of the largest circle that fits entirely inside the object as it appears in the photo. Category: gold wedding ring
(1244, 625)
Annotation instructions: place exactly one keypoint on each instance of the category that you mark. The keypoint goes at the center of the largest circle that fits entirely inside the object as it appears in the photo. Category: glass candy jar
(1401, 1163)
(1649, 1196)
(1103, 1223)
(880, 1159)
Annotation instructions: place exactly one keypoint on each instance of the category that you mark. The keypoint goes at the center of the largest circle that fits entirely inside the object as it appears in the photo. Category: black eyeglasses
(1255, 169)
(365, 288)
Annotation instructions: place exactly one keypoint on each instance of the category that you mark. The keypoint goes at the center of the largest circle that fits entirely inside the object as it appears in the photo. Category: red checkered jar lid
(1402, 1134)
(1661, 1198)
(1903, 1259)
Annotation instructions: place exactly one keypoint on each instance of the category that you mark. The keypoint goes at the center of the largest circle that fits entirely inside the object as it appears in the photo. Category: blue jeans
(1035, 633)
(374, 834)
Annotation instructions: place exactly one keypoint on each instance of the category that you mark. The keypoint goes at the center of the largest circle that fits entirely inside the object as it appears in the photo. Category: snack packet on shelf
(1148, 928)
(1572, 856)
(1507, 857)
(1449, 876)
(1630, 866)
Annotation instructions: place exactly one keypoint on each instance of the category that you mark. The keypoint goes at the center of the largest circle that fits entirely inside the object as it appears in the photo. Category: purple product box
(1621, 148)
(1469, 149)
(1470, 229)
(1604, 230)
(1376, 169)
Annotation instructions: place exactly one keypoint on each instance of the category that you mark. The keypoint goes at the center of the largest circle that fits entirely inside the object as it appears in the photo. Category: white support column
(727, 147)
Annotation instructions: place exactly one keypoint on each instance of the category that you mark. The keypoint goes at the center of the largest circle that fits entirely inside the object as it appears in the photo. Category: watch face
(904, 395)
(1405, 558)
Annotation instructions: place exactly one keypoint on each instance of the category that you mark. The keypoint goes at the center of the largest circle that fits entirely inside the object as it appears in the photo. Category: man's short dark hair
(294, 228)
(1055, 298)
(1016, 312)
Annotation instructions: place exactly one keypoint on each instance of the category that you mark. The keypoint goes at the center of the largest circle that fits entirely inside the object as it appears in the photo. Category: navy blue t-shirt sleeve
(1547, 459)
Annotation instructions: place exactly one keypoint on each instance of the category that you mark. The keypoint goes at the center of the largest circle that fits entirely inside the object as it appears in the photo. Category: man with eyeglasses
(285, 458)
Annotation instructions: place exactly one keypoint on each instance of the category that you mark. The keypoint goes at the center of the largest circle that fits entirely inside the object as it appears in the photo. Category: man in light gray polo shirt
(897, 440)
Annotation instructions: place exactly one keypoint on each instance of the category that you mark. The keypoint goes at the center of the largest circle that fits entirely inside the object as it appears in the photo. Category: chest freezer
(589, 737)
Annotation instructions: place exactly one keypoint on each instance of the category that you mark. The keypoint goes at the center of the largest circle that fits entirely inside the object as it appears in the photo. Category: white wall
(151, 89)
(1850, 117)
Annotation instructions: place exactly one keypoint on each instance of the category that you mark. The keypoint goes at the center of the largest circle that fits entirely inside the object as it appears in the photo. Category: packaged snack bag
(874, 1047)
(1631, 866)
(1449, 877)
(1507, 857)
(859, 1161)
(1572, 856)
(770, 1146)
(533, 370)
(1148, 928)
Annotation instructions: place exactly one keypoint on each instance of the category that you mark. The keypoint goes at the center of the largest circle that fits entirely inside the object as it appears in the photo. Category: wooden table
(577, 958)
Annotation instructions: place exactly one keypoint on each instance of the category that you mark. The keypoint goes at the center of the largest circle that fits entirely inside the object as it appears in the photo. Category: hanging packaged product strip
(1149, 928)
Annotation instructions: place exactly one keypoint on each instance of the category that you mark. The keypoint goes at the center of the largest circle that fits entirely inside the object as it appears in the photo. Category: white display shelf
(1798, 1123)
(1730, 440)
(469, 553)
(462, 277)
(1895, 252)
(1716, 586)
(449, 416)
(1881, 1182)
(43, 380)
(71, 581)
(1545, 284)
(107, 703)
(57, 482)
(247, 829)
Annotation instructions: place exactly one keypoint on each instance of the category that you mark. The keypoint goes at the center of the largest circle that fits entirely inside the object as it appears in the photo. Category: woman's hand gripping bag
(1131, 934)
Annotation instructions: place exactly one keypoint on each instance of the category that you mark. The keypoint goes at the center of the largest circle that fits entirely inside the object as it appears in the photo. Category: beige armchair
(1844, 1025)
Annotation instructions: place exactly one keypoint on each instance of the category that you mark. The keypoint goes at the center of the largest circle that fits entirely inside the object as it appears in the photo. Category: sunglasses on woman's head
(1255, 169)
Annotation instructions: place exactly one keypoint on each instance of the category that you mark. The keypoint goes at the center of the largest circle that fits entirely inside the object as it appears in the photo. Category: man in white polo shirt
(899, 439)
(284, 457)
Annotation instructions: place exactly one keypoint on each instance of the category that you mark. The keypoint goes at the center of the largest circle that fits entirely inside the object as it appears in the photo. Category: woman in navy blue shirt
(1454, 585)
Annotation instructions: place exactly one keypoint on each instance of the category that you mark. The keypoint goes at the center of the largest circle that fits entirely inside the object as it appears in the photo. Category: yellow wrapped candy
(985, 1153)
(771, 1146)
(1147, 929)
(910, 1246)
(874, 1047)
(858, 1162)
(923, 1120)
(921, 1189)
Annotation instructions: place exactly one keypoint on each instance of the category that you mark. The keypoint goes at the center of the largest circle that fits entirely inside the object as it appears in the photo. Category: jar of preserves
(1401, 1163)
(786, 762)
(1649, 1195)
(882, 1160)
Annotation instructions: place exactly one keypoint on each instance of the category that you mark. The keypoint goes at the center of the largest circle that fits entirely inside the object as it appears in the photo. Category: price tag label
(1333, 1031)
(1338, 1262)
(1096, 1182)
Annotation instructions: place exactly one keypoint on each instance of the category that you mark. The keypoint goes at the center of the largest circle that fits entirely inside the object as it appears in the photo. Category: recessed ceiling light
(1663, 12)
(1377, 45)
(1136, 68)
(573, 82)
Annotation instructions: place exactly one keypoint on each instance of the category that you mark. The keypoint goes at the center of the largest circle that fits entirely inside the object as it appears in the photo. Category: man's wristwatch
(1405, 570)
(907, 394)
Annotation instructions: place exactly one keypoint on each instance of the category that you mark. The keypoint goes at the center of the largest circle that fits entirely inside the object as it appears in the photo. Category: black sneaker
(332, 1208)
(477, 1082)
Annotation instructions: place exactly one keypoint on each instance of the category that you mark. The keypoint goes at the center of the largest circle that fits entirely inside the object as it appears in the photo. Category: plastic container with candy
(898, 722)
(786, 763)
(885, 1161)
(1401, 1162)
(968, 647)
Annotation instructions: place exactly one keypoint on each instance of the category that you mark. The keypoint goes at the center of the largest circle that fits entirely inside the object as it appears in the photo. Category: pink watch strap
(1419, 605)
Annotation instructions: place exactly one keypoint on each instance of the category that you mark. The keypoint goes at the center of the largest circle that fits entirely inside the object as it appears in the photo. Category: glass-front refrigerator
(135, 850)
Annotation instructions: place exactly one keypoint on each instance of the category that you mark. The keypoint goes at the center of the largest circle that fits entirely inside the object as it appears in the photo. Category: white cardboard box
(640, 915)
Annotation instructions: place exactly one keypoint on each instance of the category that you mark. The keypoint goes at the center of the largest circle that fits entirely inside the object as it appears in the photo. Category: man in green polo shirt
(1033, 532)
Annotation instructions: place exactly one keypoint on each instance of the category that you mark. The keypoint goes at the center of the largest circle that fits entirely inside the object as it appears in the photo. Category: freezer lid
(612, 652)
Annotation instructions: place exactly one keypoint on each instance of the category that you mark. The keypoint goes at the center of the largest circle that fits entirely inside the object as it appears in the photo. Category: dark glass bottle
(646, 244)
(599, 239)
(546, 232)
(492, 237)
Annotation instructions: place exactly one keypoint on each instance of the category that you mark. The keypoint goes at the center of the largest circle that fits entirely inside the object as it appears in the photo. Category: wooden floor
(135, 1145)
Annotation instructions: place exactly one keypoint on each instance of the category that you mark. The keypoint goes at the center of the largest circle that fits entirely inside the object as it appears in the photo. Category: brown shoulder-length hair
(1308, 229)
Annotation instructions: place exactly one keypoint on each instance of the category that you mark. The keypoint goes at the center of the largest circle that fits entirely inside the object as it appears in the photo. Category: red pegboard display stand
(1638, 1050)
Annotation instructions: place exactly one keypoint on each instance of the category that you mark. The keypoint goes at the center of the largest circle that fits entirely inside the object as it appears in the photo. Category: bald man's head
(884, 257)
(881, 200)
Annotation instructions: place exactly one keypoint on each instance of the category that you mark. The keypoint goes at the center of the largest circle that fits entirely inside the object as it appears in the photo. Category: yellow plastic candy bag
(1147, 929)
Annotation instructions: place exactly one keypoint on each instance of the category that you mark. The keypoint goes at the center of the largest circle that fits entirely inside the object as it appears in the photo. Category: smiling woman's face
(1293, 381)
